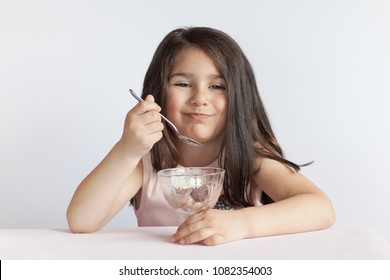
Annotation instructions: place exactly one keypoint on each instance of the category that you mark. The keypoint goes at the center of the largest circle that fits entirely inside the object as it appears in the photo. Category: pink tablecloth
(153, 243)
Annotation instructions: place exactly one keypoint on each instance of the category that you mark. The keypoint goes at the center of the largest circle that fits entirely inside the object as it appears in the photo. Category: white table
(153, 243)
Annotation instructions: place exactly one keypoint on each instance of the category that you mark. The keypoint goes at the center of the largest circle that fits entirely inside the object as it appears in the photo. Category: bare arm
(118, 177)
(300, 206)
(104, 191)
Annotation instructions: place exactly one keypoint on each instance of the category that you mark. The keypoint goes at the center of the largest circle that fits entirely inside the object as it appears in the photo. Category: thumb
(149, 98)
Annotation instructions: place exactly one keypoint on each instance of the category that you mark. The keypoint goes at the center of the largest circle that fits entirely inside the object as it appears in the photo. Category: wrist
(249, 223)
(127, 156)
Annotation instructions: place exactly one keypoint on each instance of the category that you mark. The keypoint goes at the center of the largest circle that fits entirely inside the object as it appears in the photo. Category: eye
(218, 87)
(186, 85)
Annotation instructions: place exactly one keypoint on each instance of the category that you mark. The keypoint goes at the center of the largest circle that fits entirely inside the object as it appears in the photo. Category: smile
(197, 116)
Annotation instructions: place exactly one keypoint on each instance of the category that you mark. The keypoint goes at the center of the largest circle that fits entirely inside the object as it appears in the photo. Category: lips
(197, 116)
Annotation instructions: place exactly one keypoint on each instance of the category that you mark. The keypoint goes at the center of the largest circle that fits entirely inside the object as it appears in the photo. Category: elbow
(332, 218)
(75, 227)
(329, 219)
(79, 225)
(329, 215)
(79, 228)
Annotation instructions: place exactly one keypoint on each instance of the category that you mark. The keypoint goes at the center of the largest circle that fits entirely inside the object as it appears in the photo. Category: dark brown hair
(248, 133)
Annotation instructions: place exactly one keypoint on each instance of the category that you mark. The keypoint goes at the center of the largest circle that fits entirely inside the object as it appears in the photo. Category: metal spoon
(183, 138)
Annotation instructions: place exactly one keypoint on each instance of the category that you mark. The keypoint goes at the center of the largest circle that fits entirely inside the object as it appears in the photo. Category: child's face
(196, 97)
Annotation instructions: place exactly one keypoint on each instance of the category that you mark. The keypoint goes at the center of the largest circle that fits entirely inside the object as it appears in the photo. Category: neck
(198, 157)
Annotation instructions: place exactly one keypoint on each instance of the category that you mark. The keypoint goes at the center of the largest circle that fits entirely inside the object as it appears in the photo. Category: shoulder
(279, 180)
(269, 167)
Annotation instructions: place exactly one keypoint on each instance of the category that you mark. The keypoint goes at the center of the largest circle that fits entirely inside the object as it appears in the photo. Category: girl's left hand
(211, 227)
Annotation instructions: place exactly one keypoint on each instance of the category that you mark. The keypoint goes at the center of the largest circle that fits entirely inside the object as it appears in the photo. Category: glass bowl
(189, 190)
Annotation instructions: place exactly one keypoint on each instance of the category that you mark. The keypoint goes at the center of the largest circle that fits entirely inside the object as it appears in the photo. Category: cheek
(172, 107)
(220, 105)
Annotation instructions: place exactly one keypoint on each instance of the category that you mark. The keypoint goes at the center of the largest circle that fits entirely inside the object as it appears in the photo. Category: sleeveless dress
(152, 208)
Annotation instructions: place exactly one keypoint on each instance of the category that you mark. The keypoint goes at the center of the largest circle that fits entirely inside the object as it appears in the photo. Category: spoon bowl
(185, 139)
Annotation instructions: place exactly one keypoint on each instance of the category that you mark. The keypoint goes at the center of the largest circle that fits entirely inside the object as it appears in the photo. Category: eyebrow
(189, 75)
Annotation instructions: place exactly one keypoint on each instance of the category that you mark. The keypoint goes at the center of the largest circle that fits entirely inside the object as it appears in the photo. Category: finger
(213, 240)
(153, 129)
(192, 225)
(146, 106)
(149, 118)
(197, 236)
(191, 220)
(149, 98)
(146, 128)
(148, 122)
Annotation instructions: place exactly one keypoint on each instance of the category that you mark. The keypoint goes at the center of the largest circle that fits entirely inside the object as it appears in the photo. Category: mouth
(197, 116)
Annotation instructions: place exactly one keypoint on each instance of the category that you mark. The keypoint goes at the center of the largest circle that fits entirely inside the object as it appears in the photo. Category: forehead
(193, 59)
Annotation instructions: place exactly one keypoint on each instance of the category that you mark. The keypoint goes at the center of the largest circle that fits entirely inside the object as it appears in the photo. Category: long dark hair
(248, 132)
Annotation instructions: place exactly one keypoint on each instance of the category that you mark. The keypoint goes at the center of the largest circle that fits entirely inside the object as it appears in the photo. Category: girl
(206, 87)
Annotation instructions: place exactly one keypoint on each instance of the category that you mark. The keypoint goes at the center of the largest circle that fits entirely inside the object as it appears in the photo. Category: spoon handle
(135, 95)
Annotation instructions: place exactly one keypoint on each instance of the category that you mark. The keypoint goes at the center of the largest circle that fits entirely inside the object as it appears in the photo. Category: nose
(199, 97)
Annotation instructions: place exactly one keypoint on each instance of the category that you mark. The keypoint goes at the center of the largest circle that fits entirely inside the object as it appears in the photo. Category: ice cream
(192, 189)
(190, 200)
(200, 194)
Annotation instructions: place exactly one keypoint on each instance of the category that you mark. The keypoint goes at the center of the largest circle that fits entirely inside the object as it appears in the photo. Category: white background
(323, 69)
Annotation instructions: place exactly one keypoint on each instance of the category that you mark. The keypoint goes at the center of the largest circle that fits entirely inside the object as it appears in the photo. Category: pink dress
(153, 209)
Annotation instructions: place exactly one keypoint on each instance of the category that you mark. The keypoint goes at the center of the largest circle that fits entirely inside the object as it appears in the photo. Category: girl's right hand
(142, 129)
